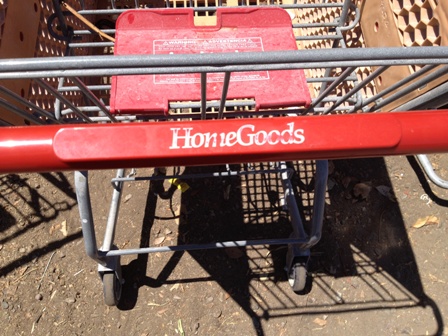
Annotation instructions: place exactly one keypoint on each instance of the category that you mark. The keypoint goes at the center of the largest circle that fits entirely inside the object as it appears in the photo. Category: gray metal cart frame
(340, 92)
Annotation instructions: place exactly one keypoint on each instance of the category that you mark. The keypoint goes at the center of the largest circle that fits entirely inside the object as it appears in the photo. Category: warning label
(208, 46)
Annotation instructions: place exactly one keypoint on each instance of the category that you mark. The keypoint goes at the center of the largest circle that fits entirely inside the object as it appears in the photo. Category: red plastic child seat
(172, 31)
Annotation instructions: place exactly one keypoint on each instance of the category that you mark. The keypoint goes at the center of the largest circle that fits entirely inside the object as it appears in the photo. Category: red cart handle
(153, 144)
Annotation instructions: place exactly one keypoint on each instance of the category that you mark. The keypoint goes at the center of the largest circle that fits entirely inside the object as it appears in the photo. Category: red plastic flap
(172, 31)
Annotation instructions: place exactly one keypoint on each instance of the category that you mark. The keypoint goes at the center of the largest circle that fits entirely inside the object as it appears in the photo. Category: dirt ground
(380, 268)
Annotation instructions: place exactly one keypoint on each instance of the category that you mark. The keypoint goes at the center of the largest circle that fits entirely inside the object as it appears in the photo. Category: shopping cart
(207, 85)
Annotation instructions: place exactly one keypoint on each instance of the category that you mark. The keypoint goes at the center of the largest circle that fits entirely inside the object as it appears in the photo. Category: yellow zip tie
(182, 186)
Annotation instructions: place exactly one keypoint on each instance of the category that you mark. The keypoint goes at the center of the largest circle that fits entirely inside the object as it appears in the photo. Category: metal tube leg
(320, 189)
(296, 220)
(295, 251)
(113, 213)
(429, 170)
(85, 212)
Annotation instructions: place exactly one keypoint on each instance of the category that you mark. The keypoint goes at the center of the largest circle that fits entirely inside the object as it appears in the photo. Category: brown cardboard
(18, 41)
(380, 29)
(441, 13)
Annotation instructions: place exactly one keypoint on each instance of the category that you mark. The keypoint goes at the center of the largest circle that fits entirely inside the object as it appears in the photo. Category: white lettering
(261, 141)
(197, 140)
(299, 137)
(287, 140)
(231, 139)
(240, 135)
(209, 137)
(246, 135)
(223, 140)
(177, 137)
(271, 136)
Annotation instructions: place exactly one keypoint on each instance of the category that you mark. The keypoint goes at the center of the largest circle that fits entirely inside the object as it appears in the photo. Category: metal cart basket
(206, 83)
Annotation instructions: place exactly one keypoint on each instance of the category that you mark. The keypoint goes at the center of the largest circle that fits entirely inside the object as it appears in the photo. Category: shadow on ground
(364, 238)
(23, 207)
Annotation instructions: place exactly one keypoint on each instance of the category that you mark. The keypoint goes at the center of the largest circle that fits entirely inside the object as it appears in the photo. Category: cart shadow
(363, 239)
(30, 206)
(366, 239)
(24, 205)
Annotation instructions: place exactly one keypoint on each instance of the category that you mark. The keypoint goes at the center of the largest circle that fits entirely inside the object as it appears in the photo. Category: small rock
(210, 299)
(320, 322)
(22, 250)
(217, 313)
(5, 305)
(64, 228)
(70, 300)
(339, 298)
(127, 197)
(331, 183)
(346, 181)
(362, 190)
(254, 306)
(377, 251)
(61, 254)
(386, 192)
(1, 247)
(159, 240)
(195, 327)
(39, 297)
(168, 231)
(407, 331)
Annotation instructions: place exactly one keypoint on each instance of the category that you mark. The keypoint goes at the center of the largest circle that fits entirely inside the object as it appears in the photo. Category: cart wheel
(298, 276)
(111, 289)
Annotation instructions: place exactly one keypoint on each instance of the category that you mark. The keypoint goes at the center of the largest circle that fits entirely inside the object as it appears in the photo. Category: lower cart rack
(299, 242)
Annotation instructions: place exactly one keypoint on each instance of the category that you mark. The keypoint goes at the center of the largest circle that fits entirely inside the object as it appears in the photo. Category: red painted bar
(106, 146)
